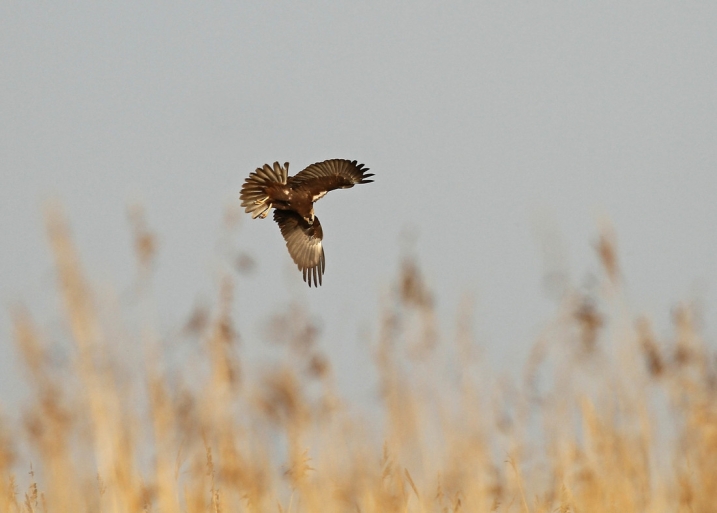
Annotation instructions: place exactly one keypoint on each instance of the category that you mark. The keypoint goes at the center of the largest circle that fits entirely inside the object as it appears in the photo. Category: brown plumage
(293, 198)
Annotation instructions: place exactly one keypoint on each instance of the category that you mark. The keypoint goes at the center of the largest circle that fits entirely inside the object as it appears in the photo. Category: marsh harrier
(293, 199)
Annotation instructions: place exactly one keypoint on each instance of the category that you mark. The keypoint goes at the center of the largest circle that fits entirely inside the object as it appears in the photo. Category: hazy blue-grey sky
(481, 120)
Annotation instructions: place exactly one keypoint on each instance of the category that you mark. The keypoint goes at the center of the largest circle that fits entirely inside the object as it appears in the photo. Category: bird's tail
(253, 195)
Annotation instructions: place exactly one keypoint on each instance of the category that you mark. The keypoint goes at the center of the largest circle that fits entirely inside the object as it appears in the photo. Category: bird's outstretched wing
(304, 244)
(328, 175)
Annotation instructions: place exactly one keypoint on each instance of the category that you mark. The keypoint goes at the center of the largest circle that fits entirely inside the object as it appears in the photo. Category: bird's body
(285, 197)
(293, 198)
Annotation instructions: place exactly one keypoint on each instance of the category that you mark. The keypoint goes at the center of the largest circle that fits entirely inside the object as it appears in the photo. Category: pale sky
(484, 122)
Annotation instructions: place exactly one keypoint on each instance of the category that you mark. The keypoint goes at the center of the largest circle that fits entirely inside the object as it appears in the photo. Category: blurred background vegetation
(605, 416)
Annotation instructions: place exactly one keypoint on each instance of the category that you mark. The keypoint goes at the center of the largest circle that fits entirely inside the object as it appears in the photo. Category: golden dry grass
(606, 417)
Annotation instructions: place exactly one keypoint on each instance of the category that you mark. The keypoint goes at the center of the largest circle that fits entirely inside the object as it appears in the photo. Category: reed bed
(605, 417)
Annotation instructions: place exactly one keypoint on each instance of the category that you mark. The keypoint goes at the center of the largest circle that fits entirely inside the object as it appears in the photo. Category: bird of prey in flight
(293, 199)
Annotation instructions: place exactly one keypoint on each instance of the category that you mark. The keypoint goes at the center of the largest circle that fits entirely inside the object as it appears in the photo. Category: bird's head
(308, 214)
